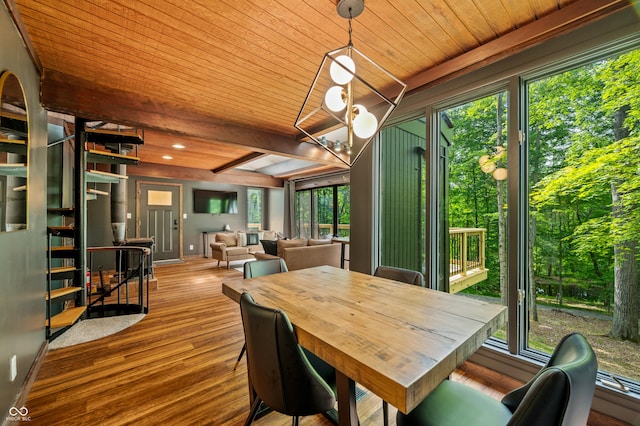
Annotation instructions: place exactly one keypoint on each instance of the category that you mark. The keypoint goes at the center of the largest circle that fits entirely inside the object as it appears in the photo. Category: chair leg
(244, 348)
(385, 413)
(253, 411)
(296, 421)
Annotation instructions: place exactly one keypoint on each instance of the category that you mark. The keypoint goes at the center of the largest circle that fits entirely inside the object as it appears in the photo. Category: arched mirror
(14, 154)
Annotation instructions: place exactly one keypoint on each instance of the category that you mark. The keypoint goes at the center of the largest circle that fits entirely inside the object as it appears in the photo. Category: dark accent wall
(23, 253)
(401, 207)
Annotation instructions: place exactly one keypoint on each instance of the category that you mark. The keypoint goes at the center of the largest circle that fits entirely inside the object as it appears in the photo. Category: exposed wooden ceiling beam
(304, 172)
(238, 162)
(235, 177)
(71, 95)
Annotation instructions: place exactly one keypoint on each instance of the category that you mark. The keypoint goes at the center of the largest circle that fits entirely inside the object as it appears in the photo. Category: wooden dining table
(397, 340)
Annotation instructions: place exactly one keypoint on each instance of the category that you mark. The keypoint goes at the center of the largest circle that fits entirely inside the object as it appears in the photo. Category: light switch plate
(14, 368)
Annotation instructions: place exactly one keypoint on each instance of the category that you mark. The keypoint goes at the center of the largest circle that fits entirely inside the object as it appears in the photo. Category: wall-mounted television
(215, 202)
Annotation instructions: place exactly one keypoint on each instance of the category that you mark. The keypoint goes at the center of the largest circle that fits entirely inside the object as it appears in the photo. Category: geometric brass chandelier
(350, 97)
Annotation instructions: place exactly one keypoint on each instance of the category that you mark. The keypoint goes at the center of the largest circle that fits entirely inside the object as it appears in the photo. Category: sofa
(230, 246)
(302, 253)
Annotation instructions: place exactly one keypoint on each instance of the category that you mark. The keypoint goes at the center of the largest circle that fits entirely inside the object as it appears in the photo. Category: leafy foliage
(595, 181)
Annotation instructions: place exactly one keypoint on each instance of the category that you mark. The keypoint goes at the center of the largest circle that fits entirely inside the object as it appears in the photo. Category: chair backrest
(562, 391)
(399, 274)
(279, 371)
(259, 268)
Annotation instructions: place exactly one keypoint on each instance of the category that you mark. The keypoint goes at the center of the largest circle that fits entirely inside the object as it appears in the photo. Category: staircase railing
(108, 298)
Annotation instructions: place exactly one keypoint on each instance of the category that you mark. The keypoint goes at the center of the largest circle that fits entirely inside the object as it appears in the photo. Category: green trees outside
(316, 209)
(593, 188)
(476, 199)
(343, 210)
(254, 207)
(583, 153)
(323, 200)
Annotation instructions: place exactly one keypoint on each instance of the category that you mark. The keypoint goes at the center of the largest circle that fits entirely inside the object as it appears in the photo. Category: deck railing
(466, 250)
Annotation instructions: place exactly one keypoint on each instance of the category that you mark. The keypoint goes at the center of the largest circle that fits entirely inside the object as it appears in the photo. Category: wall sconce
(350, 97)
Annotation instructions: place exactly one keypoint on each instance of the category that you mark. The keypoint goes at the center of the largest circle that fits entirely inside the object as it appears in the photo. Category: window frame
(524, 80)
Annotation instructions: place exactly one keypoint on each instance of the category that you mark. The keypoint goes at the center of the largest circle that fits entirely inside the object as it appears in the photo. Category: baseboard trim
(21, 399)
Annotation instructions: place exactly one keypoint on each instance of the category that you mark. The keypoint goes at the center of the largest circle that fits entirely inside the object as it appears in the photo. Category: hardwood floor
(173, 367)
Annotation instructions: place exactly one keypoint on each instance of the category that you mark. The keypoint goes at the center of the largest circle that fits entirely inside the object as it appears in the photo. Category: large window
(583, 142)
(254, 208)
(323, 212)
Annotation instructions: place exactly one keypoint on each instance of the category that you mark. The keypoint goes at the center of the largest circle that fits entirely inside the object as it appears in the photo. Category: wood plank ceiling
(227, 78)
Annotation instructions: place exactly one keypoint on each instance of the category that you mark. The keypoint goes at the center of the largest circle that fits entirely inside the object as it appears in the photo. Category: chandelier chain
(350, 30)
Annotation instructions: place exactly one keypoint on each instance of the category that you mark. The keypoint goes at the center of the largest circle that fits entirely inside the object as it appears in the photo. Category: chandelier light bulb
(334, 99)
(365, 125)
(339, 74)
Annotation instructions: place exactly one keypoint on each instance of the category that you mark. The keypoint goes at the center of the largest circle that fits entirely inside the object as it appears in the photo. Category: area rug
(92, 329)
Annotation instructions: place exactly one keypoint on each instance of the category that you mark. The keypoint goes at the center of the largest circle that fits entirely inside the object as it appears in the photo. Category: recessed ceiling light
(178, 146)
(167, 157)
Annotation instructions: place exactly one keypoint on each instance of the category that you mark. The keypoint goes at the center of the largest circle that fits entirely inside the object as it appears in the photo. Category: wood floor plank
(173, 367)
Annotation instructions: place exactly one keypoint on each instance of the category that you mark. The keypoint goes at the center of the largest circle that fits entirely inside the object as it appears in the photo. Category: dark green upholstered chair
(559, 394)
(260, 268)
(281, 375)
(400, 274)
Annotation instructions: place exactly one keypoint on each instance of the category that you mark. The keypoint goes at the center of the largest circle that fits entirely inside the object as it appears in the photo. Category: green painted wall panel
(402, 156)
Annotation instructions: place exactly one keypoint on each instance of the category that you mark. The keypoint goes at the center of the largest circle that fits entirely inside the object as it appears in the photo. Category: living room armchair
(222, 253)
(225, 248)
